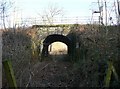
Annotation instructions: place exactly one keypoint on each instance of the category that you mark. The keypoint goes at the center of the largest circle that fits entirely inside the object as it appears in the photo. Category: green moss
(9, 73)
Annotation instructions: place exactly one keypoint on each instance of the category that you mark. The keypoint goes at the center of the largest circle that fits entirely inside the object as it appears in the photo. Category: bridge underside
(53, 38)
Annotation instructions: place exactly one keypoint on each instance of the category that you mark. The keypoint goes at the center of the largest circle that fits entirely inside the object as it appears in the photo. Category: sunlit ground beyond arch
(57, 48)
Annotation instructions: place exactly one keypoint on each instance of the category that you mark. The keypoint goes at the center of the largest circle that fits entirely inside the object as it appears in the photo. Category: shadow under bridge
(54, 38)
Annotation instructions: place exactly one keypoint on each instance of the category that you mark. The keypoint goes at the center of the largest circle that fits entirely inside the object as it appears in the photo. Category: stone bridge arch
(53, 38)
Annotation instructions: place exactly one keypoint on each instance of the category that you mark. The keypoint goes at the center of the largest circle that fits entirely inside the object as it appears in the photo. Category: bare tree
(118, 2)
(4, 9)
(50, 13)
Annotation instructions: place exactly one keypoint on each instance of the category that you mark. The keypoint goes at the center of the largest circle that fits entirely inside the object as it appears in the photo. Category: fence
(57, 20)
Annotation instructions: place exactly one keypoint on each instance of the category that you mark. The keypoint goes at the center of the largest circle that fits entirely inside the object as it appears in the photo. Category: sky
(77, 10)
(70, 7)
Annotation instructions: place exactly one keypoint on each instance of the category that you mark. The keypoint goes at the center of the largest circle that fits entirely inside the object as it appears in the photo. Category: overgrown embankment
(17, 49)
(93, 46)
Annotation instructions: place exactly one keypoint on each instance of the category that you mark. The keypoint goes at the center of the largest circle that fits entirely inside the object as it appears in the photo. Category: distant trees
(50, 13)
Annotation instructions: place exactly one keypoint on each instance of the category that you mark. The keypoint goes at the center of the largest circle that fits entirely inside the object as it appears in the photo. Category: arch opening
(57, 48)
(56, 38)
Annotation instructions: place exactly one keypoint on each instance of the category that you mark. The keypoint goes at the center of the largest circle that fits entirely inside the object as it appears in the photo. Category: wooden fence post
(109, 72)
(9, 74)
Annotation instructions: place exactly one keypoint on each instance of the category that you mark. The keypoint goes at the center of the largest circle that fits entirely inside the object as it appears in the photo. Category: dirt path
(53, 73)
